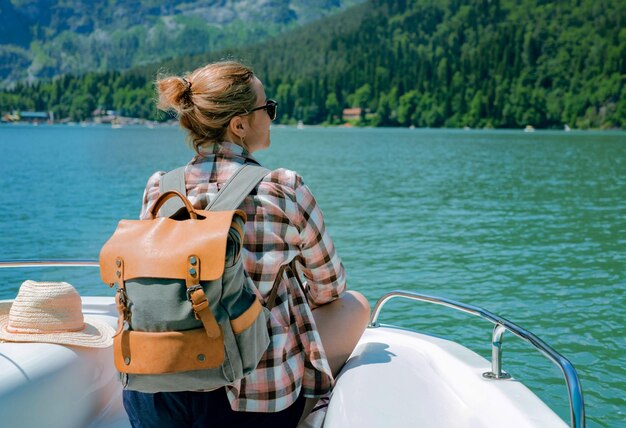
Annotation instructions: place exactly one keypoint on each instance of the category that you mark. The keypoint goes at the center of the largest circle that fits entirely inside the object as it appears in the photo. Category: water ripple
(532, 227)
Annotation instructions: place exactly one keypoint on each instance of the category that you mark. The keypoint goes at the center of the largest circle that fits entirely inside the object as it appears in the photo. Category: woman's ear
(237, 127)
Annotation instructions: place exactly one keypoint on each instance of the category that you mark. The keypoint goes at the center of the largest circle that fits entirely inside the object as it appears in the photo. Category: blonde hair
(206, 99)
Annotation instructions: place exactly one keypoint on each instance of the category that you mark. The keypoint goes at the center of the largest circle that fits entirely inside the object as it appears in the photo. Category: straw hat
(52, 312)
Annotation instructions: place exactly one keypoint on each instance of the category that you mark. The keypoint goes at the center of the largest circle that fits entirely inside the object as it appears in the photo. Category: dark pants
(201, 409)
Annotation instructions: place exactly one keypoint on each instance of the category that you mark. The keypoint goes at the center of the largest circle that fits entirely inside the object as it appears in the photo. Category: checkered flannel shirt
(283, 222)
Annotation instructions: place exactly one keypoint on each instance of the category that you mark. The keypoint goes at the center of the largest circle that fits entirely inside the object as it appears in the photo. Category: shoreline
(141, 123)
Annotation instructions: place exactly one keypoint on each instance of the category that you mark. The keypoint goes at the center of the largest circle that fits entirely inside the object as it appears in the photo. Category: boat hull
(400, 378)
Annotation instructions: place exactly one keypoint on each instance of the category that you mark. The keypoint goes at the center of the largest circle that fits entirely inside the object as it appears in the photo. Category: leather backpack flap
(160, 248)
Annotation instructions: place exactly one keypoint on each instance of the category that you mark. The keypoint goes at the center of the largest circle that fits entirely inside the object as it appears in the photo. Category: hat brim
(96, 334)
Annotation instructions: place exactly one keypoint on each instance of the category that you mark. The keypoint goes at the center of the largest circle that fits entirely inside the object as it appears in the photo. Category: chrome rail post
(496, 355)
(574, 388)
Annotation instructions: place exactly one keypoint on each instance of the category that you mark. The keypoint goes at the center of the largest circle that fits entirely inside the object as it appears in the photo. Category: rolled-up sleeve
(321, 265)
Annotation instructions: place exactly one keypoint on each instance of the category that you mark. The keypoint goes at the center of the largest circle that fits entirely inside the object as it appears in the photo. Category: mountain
(451, 63)
(46, 38)
(477, 63)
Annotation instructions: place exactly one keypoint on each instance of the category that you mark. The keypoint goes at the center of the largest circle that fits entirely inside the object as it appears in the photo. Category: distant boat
(566, 128)
(116, 125)
(300, 125)
(529, 128)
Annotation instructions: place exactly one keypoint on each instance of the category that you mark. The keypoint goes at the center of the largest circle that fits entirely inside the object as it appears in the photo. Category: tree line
(452, 63)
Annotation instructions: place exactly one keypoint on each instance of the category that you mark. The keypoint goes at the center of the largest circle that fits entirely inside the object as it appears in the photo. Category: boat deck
(394, 378)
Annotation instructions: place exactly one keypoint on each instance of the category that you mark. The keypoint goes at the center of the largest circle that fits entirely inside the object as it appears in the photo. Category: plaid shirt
(284, 222)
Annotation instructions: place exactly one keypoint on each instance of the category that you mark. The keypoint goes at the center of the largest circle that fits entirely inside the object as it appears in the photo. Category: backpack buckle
(192, 290)
(200, 303)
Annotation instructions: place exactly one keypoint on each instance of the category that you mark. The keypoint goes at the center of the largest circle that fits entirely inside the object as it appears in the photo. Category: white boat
(394, 378)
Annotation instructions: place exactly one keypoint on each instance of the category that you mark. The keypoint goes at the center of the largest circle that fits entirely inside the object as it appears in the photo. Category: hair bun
(187, 94)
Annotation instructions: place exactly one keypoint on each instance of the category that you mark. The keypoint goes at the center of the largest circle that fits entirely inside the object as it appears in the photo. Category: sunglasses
(270, 107)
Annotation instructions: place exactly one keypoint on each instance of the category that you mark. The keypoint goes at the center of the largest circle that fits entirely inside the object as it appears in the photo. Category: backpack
(188, 316)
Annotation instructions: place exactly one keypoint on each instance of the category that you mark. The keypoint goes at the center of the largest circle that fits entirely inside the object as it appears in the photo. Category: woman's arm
(321, 265)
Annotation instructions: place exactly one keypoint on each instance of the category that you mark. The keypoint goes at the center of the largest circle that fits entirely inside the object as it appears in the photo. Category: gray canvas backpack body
(199, 327)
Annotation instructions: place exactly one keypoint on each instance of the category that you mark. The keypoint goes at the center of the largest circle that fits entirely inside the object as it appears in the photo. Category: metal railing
(574, 389)
(47, 263)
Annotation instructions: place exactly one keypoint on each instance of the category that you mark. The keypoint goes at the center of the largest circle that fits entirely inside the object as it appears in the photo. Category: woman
(227, 116)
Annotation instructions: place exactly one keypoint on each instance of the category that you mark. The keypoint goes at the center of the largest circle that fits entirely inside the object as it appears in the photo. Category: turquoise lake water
(531, 226)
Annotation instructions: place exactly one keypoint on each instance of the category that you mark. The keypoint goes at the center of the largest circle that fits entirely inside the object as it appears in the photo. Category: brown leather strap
(121, 298)
(121, 301)
(271, 299)
(197, 297)
(202, 311)
(247, 318)
(171, 194)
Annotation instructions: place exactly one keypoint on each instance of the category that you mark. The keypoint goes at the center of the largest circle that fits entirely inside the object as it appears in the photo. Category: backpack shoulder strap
(235, 190)
(173, 180)
(271, 298)
(238, 186)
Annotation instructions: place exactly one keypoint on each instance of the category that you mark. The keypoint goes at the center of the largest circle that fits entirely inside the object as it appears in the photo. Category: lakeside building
(100, 115)
(351, 113)
(30, 117)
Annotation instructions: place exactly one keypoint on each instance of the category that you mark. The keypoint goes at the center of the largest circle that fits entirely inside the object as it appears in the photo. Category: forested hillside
(46, 38)
(478, 63)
